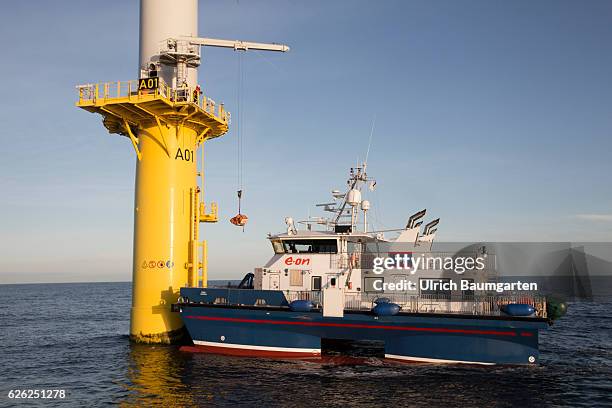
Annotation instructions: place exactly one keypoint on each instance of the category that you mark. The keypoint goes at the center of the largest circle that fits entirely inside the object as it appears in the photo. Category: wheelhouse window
(310, 246)
(278, 247)
(316, 283)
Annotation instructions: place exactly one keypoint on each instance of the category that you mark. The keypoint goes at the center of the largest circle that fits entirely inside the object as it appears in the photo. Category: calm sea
(74, 337)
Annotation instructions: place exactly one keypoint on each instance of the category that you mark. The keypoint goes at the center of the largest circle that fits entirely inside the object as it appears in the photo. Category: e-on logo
(297, 261)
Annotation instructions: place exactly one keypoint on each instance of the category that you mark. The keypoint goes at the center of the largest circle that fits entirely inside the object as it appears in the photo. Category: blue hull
(244, 329)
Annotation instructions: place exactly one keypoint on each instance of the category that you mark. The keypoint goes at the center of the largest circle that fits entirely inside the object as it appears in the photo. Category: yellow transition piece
(167, 127)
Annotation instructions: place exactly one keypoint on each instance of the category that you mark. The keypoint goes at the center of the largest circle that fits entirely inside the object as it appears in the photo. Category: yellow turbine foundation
(162, 220)
(166, 128)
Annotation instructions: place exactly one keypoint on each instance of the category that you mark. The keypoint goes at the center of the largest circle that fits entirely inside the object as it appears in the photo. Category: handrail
(108, 92)
(480, 305)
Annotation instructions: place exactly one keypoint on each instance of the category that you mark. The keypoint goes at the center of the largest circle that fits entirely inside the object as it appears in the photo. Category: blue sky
(493, 115)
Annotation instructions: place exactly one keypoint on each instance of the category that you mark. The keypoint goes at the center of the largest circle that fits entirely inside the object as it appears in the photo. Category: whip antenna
(370, 141)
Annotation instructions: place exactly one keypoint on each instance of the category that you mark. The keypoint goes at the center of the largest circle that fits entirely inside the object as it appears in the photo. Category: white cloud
(595, 217)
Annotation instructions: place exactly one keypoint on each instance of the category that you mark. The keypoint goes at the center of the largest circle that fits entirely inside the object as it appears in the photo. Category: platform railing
(107, 92)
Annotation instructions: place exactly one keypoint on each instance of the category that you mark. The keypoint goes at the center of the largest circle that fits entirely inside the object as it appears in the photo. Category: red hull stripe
(355, 326)
(244, 352)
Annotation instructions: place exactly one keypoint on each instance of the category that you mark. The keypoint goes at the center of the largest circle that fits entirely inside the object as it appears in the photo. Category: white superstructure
(339, 251)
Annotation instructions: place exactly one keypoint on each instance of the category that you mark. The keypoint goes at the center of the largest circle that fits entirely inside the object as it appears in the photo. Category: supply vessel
(320, 284)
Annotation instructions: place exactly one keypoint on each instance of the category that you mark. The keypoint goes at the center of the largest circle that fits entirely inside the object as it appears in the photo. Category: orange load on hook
(239, 220)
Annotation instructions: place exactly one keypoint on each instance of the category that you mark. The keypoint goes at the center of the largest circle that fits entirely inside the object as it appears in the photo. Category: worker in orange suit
(196, 94)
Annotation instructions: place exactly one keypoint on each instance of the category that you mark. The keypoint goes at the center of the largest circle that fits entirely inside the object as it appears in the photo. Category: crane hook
(239, 220)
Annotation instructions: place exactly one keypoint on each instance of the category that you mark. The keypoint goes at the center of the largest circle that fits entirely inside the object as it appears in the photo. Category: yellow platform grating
(119, 101)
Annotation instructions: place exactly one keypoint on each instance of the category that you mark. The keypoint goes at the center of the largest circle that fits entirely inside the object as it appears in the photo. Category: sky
(493, 115)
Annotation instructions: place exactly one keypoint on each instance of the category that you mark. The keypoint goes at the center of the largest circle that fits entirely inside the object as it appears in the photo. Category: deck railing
(108, 91)
(315, 296)
(479, 305)
(485, 305)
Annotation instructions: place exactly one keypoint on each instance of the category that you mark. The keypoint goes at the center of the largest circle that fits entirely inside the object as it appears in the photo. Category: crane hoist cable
(240, 219)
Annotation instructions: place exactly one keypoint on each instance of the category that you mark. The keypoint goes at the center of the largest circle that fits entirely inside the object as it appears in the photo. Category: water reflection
(165, 376)
(157, 376)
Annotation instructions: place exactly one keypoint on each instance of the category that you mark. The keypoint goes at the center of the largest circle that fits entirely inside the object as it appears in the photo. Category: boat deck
(414, 305)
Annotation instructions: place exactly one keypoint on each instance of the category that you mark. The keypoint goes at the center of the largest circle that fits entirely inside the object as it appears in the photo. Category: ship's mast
(357, 178)
(351, 198)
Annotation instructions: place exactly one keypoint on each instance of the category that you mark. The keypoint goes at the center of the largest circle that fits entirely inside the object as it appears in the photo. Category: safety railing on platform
(109, 91)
